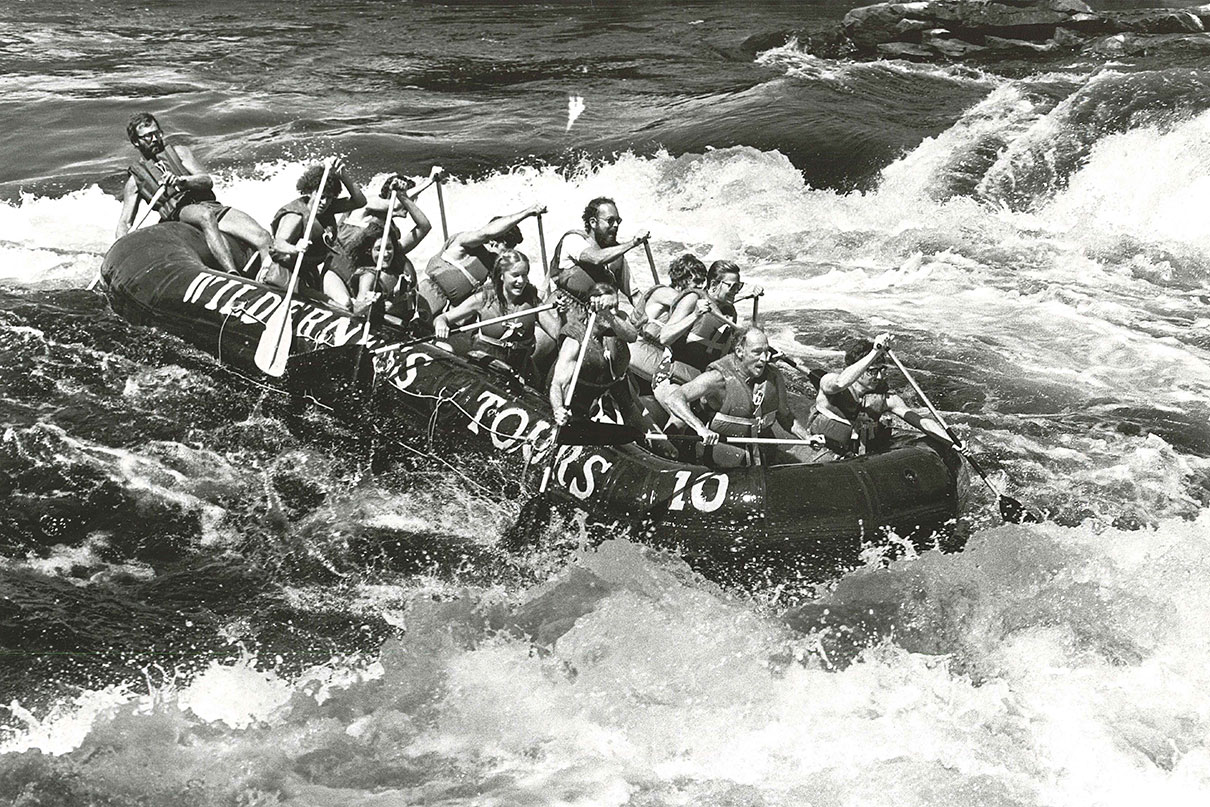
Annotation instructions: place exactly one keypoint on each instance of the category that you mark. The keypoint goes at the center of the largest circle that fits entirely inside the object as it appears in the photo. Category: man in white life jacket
(739, 395)
(850, 405)
(187, 196)
(465, 262)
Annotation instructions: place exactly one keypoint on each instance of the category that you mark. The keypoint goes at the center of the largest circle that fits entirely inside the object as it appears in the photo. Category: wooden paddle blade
(1013, 512)
(274, 348)
(592, 433)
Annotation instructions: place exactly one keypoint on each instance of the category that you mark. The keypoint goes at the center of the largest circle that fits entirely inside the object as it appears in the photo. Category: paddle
(1011, 510)
(155, 198)
(570, 396)
(542, 243)
(651, 262)
(445, 230)
(274, 348)
(382, 251)
(474, 326)
(741, 441)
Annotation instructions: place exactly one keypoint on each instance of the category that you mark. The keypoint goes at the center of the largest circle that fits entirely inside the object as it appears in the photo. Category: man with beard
(739, 395)
(583, 259)
(183, 191)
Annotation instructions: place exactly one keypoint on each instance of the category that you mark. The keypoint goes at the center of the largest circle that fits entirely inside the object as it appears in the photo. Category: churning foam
(1043, 665)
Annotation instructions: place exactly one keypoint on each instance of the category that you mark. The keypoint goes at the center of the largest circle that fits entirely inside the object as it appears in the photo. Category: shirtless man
(187, 196)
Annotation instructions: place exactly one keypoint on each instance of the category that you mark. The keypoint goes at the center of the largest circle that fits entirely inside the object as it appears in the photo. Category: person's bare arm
(197, 179)
(599, 256)
(421, 226)
(680, 400)
(833, 383)
(130, 206)
(356, 199)
(458, 315)
(493, 230)
(687, 312)
(620, 324)
(565, 366)
(897, 407)
(289, 228)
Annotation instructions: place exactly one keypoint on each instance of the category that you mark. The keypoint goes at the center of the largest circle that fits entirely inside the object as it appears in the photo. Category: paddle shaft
(568, 398)
(155, 199)
(273, 356)
(655, 276)
(445, 229)
(474, 326)
(382, 251)
(744, 441)
(937, 416)
(542, 244)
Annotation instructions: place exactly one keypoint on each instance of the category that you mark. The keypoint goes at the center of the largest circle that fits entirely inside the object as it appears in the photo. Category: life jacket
(602, 370)
(457, 282)
(709, 339)
(649, 327)
(857, 425)
(747, 410)
(579, 279)
(149, 175)
(512, 341)
(322, 244)
(347, 260)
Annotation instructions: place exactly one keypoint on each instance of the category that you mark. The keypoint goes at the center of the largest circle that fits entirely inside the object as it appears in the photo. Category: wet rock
(1158, 21)
(904, 50)
(954, 29)
(1018, 45)
(1121, 45)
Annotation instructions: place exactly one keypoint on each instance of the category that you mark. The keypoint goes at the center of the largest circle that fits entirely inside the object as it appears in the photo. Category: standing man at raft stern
(187, 196)
(850, 404)
(739, 395)
(605, 364)
(463, 265)
(323, 240)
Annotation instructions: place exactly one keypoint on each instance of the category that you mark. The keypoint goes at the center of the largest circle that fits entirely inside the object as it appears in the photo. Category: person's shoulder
(574, 241)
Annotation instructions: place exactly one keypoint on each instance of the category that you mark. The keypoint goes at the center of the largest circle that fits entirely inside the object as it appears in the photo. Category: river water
(199, 605)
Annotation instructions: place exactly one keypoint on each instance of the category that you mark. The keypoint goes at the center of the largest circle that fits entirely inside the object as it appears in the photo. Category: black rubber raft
(785, 521)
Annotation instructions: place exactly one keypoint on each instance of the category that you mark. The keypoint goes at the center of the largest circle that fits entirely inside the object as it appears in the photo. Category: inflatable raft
(797, 520)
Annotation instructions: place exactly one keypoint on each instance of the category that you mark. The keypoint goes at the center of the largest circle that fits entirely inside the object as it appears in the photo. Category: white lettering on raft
(317, 324)
(697, 495)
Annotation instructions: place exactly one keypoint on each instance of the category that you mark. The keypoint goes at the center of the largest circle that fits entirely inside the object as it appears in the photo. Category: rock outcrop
(957, 29)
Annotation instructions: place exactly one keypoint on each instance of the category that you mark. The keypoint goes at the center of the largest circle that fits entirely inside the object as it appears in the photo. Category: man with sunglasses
(702, 324)
(851, 403)
(183, 191)
(582, 259)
